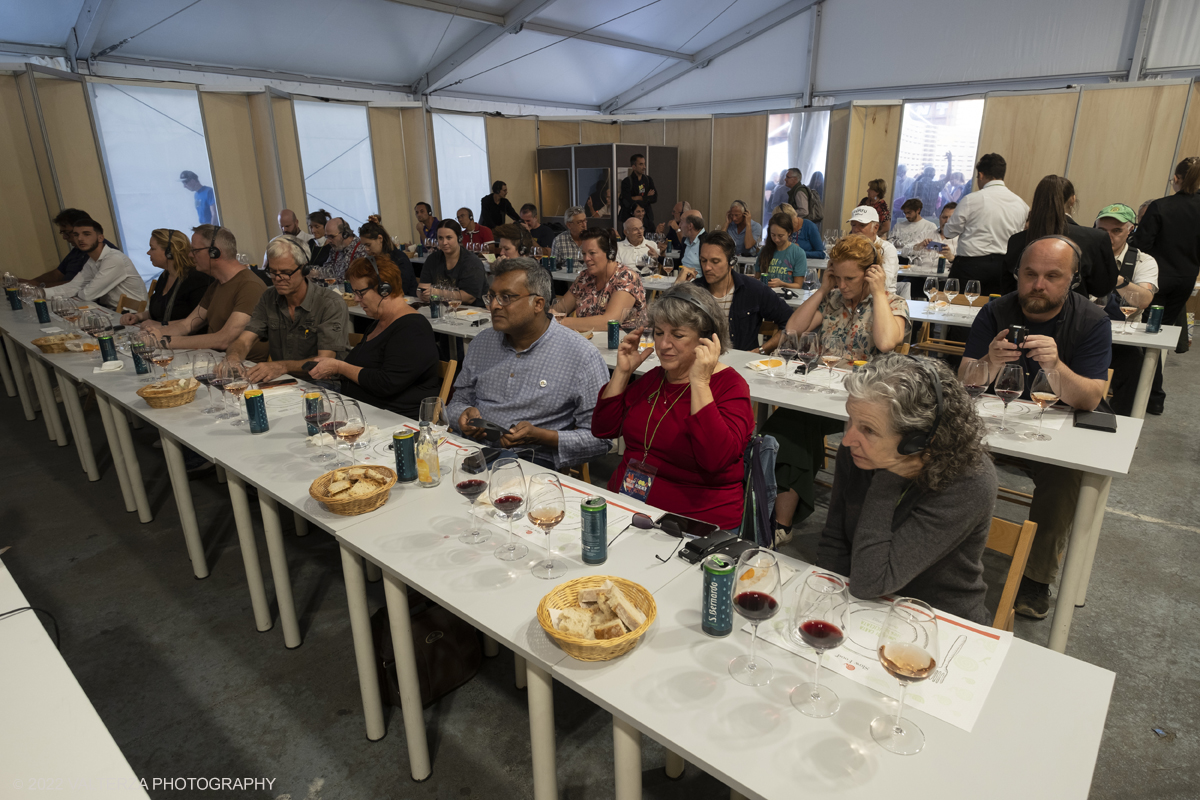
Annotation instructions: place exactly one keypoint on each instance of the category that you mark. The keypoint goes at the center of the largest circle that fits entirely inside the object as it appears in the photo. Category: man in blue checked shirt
(531, 376)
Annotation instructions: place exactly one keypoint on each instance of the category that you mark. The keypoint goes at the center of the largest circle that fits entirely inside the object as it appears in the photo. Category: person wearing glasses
(745, 232)
(566, 244)
(395, 366)
(224, 311)
(300, 321)
(536, 379)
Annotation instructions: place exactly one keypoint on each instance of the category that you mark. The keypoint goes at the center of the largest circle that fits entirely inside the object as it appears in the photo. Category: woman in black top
(452, 266)
(376, 238)
(320, 246)
(396, 364)
(180, 287)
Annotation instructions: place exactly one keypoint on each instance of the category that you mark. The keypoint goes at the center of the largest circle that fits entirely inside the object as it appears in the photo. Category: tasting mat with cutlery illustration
(1022, 414)
(969, 660)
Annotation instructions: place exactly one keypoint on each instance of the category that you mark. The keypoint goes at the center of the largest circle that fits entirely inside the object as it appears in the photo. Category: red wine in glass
(472, 488)
(318, 419)
(974, 389)
(205, 379)
(755, 606)
(1007, 395)
(821, 635)
(507, 504)
(220, 383)
(331, 427)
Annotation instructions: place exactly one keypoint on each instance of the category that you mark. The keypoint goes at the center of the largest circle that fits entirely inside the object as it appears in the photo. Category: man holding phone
(1067, 334)
(533, 378)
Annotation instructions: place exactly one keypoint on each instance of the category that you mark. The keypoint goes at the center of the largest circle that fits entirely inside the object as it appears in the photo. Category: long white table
(53, 741)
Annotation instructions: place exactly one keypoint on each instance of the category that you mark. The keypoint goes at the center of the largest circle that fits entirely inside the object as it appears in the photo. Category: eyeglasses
(502, 300)
(359, 293)
(282, 276)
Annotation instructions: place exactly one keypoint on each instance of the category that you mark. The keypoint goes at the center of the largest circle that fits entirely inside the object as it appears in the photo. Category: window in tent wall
(335, 154)
(798, 140)
(150, 137)
(936, 162)
(460, 142)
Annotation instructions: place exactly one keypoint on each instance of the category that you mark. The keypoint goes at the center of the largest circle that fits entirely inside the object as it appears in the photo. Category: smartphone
(689, 526)
(280, 382)
(1017, 334)
(491, 431)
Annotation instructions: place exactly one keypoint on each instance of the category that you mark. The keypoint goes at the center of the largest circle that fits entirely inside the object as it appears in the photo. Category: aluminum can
(941, 266)
(614, 334)
(716, 602)
(312, 407)
(108, 348)
(435, 306)
(569, 264)
(43, 313)
(140, 362)
(404, 444)
(1154, 319)
(594, 511)
(14, 299)
(256, 410)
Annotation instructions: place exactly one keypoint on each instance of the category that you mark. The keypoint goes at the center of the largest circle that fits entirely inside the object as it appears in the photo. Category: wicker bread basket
(349, 507)
(173, 400)
(54, 344)
(566, 595)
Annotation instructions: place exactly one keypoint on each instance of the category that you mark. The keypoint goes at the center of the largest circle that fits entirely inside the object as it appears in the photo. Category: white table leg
(364, 646)
(405, 654)
(249, 547)
(183, 503)
(75, 416)
(132, 468)
(520, 679)
(1071, 576)
(279, 571)
(300, 523)
(627, 760)
(18, 373)
(734, 794)
(675, 765)
(221, 474)
(45, 395)
(1093, 542)
(10, 385)
(1141, 397)
(114, 450)
(541, 732)
(374, 573)
(491, 648)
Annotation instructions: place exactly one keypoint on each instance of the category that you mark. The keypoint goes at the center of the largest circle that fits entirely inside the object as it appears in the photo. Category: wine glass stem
(512, 545)
(1004, 415)
(549, 555)
(830, 387)
(900, 709)
(1041, 418)
(753, 640)
(816, 692)
(474, 524)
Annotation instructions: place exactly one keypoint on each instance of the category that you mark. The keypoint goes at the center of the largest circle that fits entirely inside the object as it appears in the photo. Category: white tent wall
(1175, 37)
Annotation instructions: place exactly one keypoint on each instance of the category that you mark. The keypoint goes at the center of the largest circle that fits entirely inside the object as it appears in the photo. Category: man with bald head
(1065, 333)
(346, 247)
(635, 245)
(289, 225)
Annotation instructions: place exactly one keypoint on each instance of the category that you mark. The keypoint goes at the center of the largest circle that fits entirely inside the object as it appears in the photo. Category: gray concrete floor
(188, 688)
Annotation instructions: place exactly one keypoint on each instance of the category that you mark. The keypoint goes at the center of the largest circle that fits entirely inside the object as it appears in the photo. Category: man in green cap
(1137, 281)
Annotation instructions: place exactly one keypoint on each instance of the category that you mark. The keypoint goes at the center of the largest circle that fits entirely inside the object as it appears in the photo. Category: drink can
(992, 297)
(108, 349)
(312, 407)
(435, 307)
(553, 263)
(43, 313)
(1154, 319)
(716, 604)
(614, 334)
(941, 266)
(569, 264)
(14, 299)
(256, 410)
(404, 443)
(140, 362)
(594, 511)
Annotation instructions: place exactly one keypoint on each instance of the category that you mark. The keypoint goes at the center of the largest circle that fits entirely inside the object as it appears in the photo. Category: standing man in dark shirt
(494, 207)
(530, 221)
(637, 189)
(1071, 335)
(72, 262)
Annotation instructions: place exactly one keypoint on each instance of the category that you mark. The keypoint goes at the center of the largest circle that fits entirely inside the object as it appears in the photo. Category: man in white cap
(864, 221)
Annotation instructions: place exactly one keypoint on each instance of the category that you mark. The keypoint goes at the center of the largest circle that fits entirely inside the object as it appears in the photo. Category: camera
(1017, 334)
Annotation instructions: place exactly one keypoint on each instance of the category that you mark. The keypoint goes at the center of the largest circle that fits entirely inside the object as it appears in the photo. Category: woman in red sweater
(687, 422)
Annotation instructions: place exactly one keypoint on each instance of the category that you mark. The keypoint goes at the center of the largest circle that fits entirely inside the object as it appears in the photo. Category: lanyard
(647, 436)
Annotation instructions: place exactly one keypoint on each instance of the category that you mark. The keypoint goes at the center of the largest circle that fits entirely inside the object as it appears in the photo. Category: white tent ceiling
(624, 55)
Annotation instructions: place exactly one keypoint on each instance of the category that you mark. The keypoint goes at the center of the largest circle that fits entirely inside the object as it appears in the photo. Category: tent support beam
(82, 38)
(1143, 41)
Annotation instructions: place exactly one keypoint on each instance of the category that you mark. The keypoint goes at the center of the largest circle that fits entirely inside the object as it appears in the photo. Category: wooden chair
(125, 304)
(446, 369)
(355, 338)
(1012, 540)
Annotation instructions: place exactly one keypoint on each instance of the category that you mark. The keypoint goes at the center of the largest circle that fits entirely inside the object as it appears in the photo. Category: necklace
(647, 436)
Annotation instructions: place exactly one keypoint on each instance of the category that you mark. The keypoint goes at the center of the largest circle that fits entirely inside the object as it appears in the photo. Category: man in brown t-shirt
(226, 307)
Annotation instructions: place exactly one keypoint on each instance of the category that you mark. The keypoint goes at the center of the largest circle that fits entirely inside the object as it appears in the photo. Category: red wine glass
(506, 490)
(1009, 385)
(755, 597)
(471, 480)
(819, 621)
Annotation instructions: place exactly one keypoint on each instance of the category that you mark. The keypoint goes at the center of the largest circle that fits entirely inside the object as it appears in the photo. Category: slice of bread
(630, 614)
(576, 622)
(337, 487)
(589, 596)
(610, 630)
(362, 489)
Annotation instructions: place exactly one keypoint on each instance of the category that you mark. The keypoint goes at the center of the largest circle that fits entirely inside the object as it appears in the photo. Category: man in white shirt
(950, 243)
(864, 221)
(635, 246)
(912, 232)
(983, 222)
(106, 276)
(290, 225)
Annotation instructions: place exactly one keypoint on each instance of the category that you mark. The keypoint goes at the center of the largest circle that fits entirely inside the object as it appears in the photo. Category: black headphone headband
(213, 250)
(915, 442)
(712, 326)
(381, 286)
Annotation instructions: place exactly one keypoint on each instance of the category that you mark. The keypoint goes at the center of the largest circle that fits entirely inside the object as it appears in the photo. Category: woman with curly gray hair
(913, 489)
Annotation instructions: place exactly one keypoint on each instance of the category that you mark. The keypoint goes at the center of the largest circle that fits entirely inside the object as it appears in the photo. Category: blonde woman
(180, 286)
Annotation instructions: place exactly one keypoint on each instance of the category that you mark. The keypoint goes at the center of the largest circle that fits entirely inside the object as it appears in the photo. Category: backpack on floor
(448, 651)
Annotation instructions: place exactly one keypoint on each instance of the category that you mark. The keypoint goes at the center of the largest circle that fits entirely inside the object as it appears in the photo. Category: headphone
(1076, 258)
(213, 250)
(711, 328)
(298, 247)
(170, 243)
(381, 286)
(915, 442)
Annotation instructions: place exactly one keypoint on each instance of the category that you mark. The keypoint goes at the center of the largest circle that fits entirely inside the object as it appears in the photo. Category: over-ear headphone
(1076, 258)
(915, 442)
(213, 250)
(381, 286)
(170, 244)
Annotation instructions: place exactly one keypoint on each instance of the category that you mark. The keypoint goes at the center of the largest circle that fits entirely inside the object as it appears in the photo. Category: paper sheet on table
(1022, 415)
(819, 376)
(972, 655)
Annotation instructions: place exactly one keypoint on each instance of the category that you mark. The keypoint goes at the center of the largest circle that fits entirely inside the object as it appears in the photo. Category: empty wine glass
(819, 621)
(433, 411)
(808, 351)
(471, 480)
(972, 291)
(1044, 392)
(789, 348)
(755, 597)
(1010, 383)
(28, 293)
(975, 378)
(908, 650)
(507, 491)
(951, 289)
(931, 287)
(547, 508)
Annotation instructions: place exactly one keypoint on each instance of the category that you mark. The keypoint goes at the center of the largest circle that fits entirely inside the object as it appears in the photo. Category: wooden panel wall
(1032, 132)
(230, 137)
(391, 171)
(599, 132)
(73, 149)
(553, 133)
(653, 132)
(266, 159)
(27, 240)
(416, 156)
(835, 170)
(739, 146)
(872, 142)
(512, 157)
(287, 146)
(1136, 127)
(693, 139)
(1189, 143)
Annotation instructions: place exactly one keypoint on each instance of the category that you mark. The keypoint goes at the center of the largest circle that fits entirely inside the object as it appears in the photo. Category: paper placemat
(1022, 414)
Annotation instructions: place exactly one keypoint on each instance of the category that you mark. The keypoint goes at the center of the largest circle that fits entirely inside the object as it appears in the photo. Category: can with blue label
(312, 412)
(716, 604)
(1154, 319)
(569, 264)
(614, 334)
(404, 444)
(435, 306)
(140, 363)
(420, 251)
(941, 266)
(108, 348)
(553, 263)
(594, 511)
(256, 410)
(14, 299)
(43, 313)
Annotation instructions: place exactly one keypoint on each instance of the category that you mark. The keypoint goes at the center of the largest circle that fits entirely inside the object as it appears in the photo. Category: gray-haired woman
(686, 422)
(913, 489)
